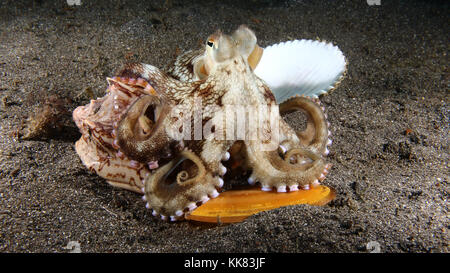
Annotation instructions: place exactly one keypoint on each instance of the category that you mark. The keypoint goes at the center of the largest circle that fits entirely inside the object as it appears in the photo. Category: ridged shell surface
(303, 67)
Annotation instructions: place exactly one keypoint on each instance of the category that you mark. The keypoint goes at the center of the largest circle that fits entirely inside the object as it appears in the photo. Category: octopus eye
(210, 43)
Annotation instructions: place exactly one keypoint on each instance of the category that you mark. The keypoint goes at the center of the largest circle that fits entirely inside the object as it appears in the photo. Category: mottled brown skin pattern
(189, 171)
(183, 68)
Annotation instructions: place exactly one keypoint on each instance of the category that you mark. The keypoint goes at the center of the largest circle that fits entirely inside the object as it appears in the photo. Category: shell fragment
(303, 67)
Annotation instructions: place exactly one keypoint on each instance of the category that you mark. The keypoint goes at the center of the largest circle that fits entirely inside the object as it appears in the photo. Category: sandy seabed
(389, 122)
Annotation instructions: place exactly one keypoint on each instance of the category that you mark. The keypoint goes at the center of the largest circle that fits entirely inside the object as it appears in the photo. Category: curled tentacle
(141, 133)
(274, 170)
(183, 176)
(179, 185)
(315, 136)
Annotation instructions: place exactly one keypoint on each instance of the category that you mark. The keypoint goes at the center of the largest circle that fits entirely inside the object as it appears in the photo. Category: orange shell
(236, 205)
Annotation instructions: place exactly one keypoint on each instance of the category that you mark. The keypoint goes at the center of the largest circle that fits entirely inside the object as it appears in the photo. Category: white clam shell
(303, 67)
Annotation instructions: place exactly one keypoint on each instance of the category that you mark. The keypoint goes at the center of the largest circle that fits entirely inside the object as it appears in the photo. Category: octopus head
(220, 48)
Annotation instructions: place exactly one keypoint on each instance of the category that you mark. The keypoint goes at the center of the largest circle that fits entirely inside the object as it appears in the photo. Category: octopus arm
(144, 132)
(141, 133)
(297, 167)
(315, 136)
(180, 185)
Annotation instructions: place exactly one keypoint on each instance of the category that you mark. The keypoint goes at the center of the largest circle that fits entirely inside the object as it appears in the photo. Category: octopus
(172, 136)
